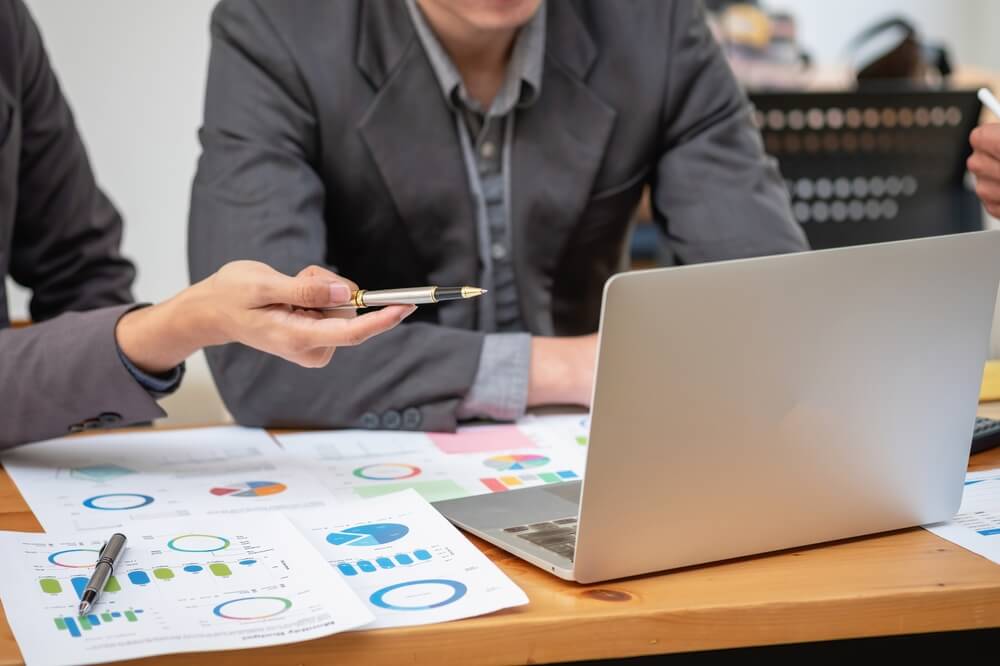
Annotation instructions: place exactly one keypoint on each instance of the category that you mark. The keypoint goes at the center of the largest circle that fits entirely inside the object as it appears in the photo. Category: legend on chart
(503, 483)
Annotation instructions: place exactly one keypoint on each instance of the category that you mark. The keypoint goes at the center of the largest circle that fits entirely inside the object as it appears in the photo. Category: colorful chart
(250, 489)
(516, 461)
(385, 563)
(100, 473)
(387, 472)
(77, 625)
(374, 534)
(504, 483)
(117, 501)
(252, 608)
(198, 543)
(418, 595)
(74, 558)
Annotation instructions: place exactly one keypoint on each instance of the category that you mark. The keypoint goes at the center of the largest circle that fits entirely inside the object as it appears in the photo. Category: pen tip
(84, 607)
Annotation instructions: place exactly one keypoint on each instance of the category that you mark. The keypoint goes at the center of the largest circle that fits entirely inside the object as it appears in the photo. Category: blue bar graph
(138, 577)
(347, 569)
(404, 559)
(385, 563)
(422, 555)
(366, 566)
(79, 582)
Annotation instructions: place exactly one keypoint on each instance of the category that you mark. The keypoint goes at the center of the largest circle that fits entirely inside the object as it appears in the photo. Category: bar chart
(76, 626)
(384, 563)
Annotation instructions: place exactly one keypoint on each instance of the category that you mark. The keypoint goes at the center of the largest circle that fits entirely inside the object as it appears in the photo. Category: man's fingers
(320, 272)
(350, 332)
(986, 139)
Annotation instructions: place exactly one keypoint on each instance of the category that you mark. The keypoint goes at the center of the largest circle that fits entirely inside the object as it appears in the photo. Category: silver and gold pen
(364, 298)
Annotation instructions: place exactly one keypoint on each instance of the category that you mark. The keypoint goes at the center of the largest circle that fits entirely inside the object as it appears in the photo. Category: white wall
(134, 73)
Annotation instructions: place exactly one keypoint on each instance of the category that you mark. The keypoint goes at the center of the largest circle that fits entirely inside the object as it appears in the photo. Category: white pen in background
(987, 98)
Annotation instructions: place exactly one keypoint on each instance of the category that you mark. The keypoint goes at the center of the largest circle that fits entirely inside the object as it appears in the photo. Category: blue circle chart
(419, 595)
(374, 534)
(198, 543)
(74, 558)
(117, 501)
(252, 608)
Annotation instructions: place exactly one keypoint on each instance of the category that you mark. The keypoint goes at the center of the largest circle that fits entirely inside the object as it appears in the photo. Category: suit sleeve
(257, 195)
(715, 192)
(66, 232)
(65, 375)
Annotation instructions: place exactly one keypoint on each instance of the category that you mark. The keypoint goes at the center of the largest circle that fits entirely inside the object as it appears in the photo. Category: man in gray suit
(460, 142)
(92, 359)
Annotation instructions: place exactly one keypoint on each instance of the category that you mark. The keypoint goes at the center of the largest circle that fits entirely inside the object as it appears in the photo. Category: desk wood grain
(899, 583)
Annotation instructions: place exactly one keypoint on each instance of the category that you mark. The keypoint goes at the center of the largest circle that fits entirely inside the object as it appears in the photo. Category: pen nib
(472, 292)
(84, 608)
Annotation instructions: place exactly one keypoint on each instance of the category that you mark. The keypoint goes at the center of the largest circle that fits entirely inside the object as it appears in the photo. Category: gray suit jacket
(59, 236)
(327, 141)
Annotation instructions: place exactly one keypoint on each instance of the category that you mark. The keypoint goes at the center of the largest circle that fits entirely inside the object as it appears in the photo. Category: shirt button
(391, 420)
(369, 420)
(499, 251)
(412, 418)
(488, 150)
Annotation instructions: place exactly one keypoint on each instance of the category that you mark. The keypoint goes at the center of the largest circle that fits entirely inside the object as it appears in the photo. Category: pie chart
(250, 489)
(374, 534)
(516, 461)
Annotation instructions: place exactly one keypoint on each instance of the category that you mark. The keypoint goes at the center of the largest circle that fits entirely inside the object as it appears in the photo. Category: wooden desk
(902, 583)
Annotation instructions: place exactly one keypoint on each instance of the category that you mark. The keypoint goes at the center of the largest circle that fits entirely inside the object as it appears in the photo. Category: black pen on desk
(107, 560)
(364, 298)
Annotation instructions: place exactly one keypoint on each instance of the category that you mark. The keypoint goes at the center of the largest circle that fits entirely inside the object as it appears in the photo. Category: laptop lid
(754, 405)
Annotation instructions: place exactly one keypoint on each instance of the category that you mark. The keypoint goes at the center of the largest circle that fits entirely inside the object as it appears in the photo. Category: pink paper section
(482, 440)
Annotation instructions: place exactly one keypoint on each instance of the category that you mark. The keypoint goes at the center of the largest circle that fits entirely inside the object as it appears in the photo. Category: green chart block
(112, 585)
(84, 623)
(432, 491)
(106, 617)
(163, 573)
(549, 477)
(220, 569)
(60, 624)
(581, 440)
(130, 616)
(50, 585)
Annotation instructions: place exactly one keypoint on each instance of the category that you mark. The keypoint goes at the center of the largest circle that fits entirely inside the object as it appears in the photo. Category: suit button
(369, 420)
(412, 418)
(76, 427)
(391, 420)
(109, 418)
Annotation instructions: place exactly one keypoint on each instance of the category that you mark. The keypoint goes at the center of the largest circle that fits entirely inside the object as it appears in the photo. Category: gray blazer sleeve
(257, 195)
(715, 192)
(65, 375)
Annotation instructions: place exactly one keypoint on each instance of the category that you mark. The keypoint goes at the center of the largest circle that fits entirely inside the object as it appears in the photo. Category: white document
(976, 527)
(183, 586)
(122, 481)
(406, 562)
(474, 461)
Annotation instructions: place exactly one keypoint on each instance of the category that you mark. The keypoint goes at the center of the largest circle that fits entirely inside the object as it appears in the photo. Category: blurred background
(134, 73)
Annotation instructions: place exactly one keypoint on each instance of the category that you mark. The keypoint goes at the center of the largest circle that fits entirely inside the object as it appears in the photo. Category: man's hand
(985, 165)
(562, 371)
(250, 303)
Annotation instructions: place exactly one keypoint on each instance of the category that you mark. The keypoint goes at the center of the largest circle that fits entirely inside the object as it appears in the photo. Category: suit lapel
(411, 134)
(559, 145)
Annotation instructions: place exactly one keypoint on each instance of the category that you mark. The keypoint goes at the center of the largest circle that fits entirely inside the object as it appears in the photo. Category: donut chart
(74, 558)
(198, 543)
(117, 501)
(419, 595)
(387, 472)
(252, 608)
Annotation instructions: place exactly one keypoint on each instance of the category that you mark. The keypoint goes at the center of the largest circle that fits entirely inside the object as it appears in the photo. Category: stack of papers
(976, 527)
(237, 541)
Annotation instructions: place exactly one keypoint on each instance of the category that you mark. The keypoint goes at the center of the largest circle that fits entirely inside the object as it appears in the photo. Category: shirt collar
(523, 80)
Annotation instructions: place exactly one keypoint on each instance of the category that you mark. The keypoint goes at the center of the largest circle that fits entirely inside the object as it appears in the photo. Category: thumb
(305, 291)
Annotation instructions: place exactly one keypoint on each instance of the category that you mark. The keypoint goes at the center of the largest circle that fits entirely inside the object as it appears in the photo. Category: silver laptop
(754, 405)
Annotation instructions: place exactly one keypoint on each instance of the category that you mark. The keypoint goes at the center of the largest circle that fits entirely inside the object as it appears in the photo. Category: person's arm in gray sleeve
(257, 196)
(65, 246)
(65, 375)
(714, 191)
